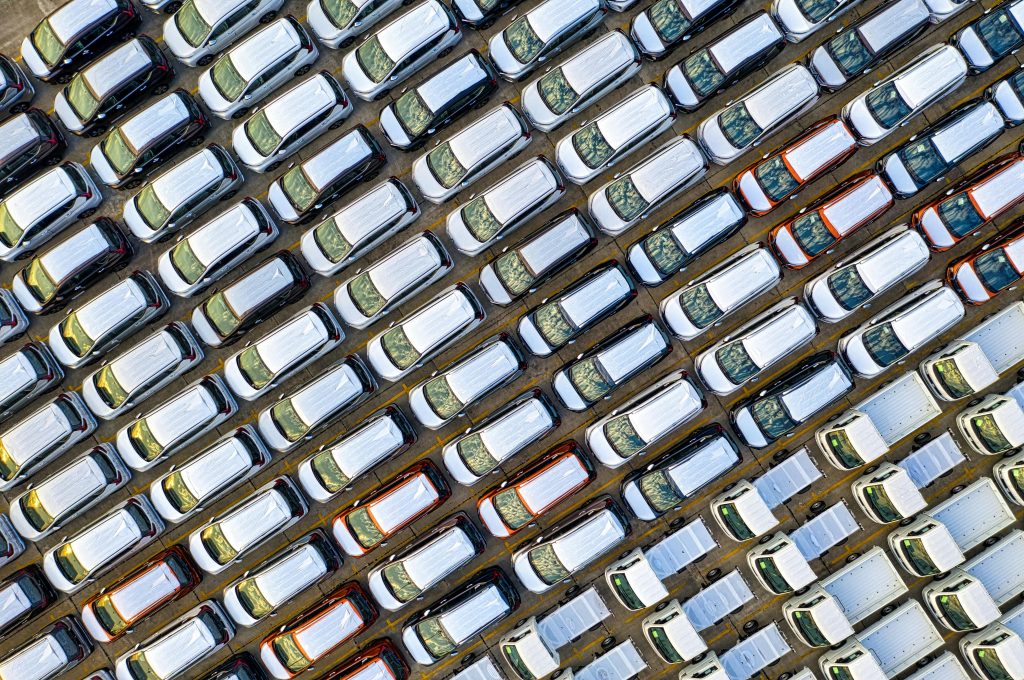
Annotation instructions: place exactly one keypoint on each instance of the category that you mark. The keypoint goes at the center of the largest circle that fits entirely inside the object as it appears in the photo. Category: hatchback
(25, 374)
(665, 24)
(542, 32)
(338, 24)
(188, 640)
(202, 28)
(989, 269)
(52, 652)
(43, 435)
(16, 90)
(24, 595)
(996, 34)
(13, 320)
(800, 18)
(28, 142)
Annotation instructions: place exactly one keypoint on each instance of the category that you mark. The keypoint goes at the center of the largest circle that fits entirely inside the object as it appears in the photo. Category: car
(819, 227)
(294, 419)
(633, 195)
(194, 636)
(770, 181)
(25, 374)
(481, 14)
(484, 600)
(107, 88)
(542, 32)
(729, 285)
(212, 250)
(860, 47)
(180, 493)
(338, 24)
(125, 529)
(73, 34)
(182, 194)
(268, 511)
(296, 343)
(140, 144)
(801, 393)
(165, 578)
(63, 271)
(405, 576)
(368, 523)
(290, 121)
(13, 320)
(200, 29)
(152, 436)
(421, 111)
(578, 82)
(502, 208)
(1008, 95)
(483, 447)
(132, 377)
(680, 473)
(728, 133)
(533, 490)
(426, 32)
(1007, 474)
(28, 142)
(570, 545)
(614, 134)
(900, 329)
(565, 316)
(379, 657)
(239, 667)
(593, 375)
(665, 24)
(300, 566)
(710, 70)
(297, 645)
(990, 268)
(68, 493)
(866, 273)
(941, 146)
(520, 269)
(358, 227)
(335, 467)
(678, 241)
(43, 435)
(423, 333)
(24, 595)
(493, 363)
(300, 193)
(746, 354)
(972, 204)
(988, 39)
(454, 164)
(43, 207)
(11, 545)
(375, 291)
(905, 93)
(53, 651)
(800, 19)
(16, 90)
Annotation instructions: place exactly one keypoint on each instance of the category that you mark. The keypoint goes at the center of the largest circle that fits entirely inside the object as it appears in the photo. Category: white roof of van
(892, 22)
(1000, 190)
(514, 429)
(472, 616)
(73, 16)
(552, 483)
(404, 266)
(478, 372)
(521, 189)
(818, 150)
(588, 539)
(359, 450)
(412, 29)
(753, 36)
(222, 234)
(956, 140)
(438, 88)
(608, 54)
(782, 94)
(824, 386)
(928, 318)
(151, 122)
(553, 243)
(296, 106)
(778, 336)
(551, 16)
(263, 48)
(187, 178)
(153, 355)
(293, 339)
(322, 634)
(32, 201)
(260, 514)
(336, 158)
(586, 302)
(70, 485)
(24, 440)
(181, 647)
(133, 598)
(320, 398)
(633, 115)
(297, 570)
(691, 474)
(16, 373)
(216, 467)
(184, 412)
(668, 167)
(852, 208)
(361, 219)
(705, 223)
(116, 67)
(213, 10)
(664, 410)
(62, 260)
(695, 8)
(934, 72)
(748, 274)
(629, 352)
(438, 319)
(39, 658)
(412, 496)
(105, 310)
(892, 261)
(15, 135)
(448, 548)
(477, 141)
(258, 285)
(1015, 253)
(108, 536)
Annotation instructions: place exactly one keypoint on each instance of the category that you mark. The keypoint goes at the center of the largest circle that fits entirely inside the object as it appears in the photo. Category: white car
(1008, 95)
(294, 344)
(25, 374)
(42, 436)
(196, 635)
(487, 142)
(123, 530)
(223, 541)
(132, 377)
(208, 475)
(51, 653)
(422, 334)
(23, 596)
(614, 134)
(665, 24)
(542, 32)
(10, 542)
(217, 247)
(988, 39)
(176, 422)
(294, 419)
(202, 28)
(338, 24)
(800, 18)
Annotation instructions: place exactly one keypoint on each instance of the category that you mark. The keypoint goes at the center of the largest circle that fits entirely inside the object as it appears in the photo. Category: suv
(28, 141)
(16, 89)
(541, 33)
(54, 651)
(668, 23)
(338, 24)
(43, 435)
(25, 374)
(998, 33)
(202, 28)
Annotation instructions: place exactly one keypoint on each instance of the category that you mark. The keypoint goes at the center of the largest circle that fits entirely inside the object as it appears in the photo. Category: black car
(480, 14)
(28, 142)
(241, 667)
(31, 591)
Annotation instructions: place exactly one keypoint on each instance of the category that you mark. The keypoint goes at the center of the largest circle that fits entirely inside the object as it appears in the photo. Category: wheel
(888, 609)
(273, 166)
(240, 113)
(303, 71)
(817, 507)
(624, 555)
(661, 606)
(205, 60)
(923, 438)
(714, 575)
(607, 643)
(97, 131)
(228, 196)
(445, 52)
(20, 107)
(957, 489)
(974, 402)
(991, 540)
(468, 659)
(65, 78)
(905, 521)
(519, 623)
(482, 103)
(172, 7)
(676, 523)
(785, 676)
(764, 539)
(52, 160)
(196, 141)
(572, 590)
(268, 17)
(729, 487)
(161, 88)
(134, 183)
(347, 42)
(86, 214)
(921, 663)
(852, 556)
(780, 455)
(335, 125)
(871, 469)
(380, 95)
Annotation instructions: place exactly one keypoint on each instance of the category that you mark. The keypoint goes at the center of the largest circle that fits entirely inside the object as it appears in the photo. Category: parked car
(208, 475)
(106, 89)
(421, 111)
(294, 418)
(239, 667)
(24, 595)
(487, 142)
(11, 545)
(125, 529)
(200, 29)
(298, 195)
(905, 93)
(1008, 95)
(16, 90)
(801, 393)
(163, 579)
(52, 652)
(865, 274)
(380, 657)
(152, 436)
(182, 194)
(720, 291)
(988, 39)
(25, 374)
(730, 132)
(43, 207)
(28, 142)
(338, 24)
(224, 540)
(481, 14)
(665, 24)
(188, 640)
(990, 268)
(817, 229)
(370, 522)
(801, 19)
(542, 32)
(68, 492)
(944, 9)
(43, 435)
(900, 329)
(13, 320)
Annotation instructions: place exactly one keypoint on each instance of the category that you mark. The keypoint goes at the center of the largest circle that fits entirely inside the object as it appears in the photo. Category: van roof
(117, 67)
(587, 539)
(792, 326)
(262, 513)
(215, 467)
(675, 162)
(712, 217)
(523, 188)
(133, 598)
(552, 482)
(1001, 189)
(16, 135)
(439, 318)
(68, 256)
(633, 115)
(475, 373)
(781, 95)
(187, 178)
(297, 105)
(610, 53)
(113, 533)
(321, 634)
(553, 243)
(803, 400)
(27, 438)
(181, 414)
(631, 351)
(586, 302)
(928, 317)
(448, 548)
(515, 429)
(32, 201)
(821, 148)
(857, 204)
(68, 20)
(930, 73)
(153, 121)
(746, 275)
(892, 22)
(749, 38)
(214, 10)
(186, 643)
(337, 158)
(411, 497)
(221, 235)
(552, 16)
(404, 266)
(437, 90)
(471, 616)
(259, 285)
(413, 28)
(292, 340)
(370, 442)
(704, 466)
(296, 570)
(478, 140)
(318, 399)
(264, 48)
(363, 218)
(955, 140)
(40, 657)
(104, 311)
(664, 410)
(900, 255)
(1015, 252)
(152, 356)
(16, 373)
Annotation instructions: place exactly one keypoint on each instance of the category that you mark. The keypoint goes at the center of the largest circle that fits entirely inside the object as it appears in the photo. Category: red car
(989, 269)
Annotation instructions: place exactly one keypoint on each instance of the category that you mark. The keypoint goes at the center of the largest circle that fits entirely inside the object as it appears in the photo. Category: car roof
(182, 413)
(587, 539)
(892, 22)
(41, 657)
(413, 28)
(451, 546)
(264, 48)
(930, 73)
(472, 615)
(17, 134)
(437, 90)
(958, 138)
(294, 107)
(519, 190)
(69, 19)
(711, 218)
(116, 67)
(477, 141)
(610, 53)
(691, 473)
(259, 285)
(187, 642)
(438, 319)
(783, 93)
(1001, 189)
(31, 201)
(409, 498)
(633, 115)
(111, 306)
(749, 38)
(295, 338)
(773, 337)
(663, 410)
(102, 539)
(17, 373)
(553, 243)
(857, 204)
(640, 345)
(404, 266)
(27, 437)
(132, 598)
(153, 121)
(215, 10)
(371, 440)
(361, 218)
(827, 383)
(187, 178)
(215, 467)
(321, 634)
(223, 233)
(551, 483)
(66, 257)
(155, 354)
(827, 143)
(511, 431)
(474, 373)
(295, 570)
(695, 8)
(743, 277)
(336, 158)
(663, 170)
(893, 260)
(927, 317)
(1015, 252)
(320, 397)
(552, 16)
(263, 511)
(586, 302)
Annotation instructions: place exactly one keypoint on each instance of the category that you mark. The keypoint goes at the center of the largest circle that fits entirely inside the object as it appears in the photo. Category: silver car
(188, 640)
(16, 90)
(801, 19)
(25, 374)
(664, 24)
(338, 24)
(54, 651)
(13, 320)
(202, 28)
(997, 34)
(1008, 95)
(542, 32)
(43, 435)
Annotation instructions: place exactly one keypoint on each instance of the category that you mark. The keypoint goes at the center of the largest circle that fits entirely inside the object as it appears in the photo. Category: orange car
(380, 660)
(989, 269)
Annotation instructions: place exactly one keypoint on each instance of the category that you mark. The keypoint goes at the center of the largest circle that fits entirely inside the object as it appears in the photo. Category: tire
(780, 455)
(957, 489)
(161, 89)
(852, 557)
(906, 521)
(468, 659)
(764, 539)
(86, 214)
(347, 42)
(268, 17)
(172, 7)
(98, 131)
(228, 196)
(445, 52)
(608, 643)
(273, 166)
(303, 71)
(714, 575)
(205, 60)
(991, 541)
(923, 438)
(335, 125)
(871, 469)
(240, 113)
(817, 507)
(729, 487)
(134, 183)
(974, 402)
(196, 141)
(676, 523)
(381, 95)
(888, 609)
(661, 606)
(572, 590)
(20, 107)
(52, 161)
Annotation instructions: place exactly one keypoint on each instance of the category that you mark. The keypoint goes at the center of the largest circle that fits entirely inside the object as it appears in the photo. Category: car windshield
(987, 430)
(522, 41)
(220, 314)
(69, 565)
(922, 160)
(399, 582)
(35, 513)
(331, 241)
(657, 488)
(139, 667)
(398, 348)
(735, 362)
(960, 215)
(556, 91)
(771, 417)
(288, 651)
(185, 262)
(660, 642)
(74, 336)
(375, 62)
(262, 134)
(668, 19)
(775, 178)
(479, 219)
(365, 295)
(589, 379)
(178, 493)
(288, 421)
(805, 623)
(108, 616)
(39, 281)
(702, 73)
(191, 25)
(513, 273)
(884, 346)
(299, 190)
(883, 505)
(226, 78)
(217, 544)
(363, 526)
(441, 398)
(109, 388)
(811, 233)
(46, 42)
(839, 444)
(849, 51)
(254, 369)
(327, 471)
(553, 325)
(999, 32)
(150, 209)
(625, 199)
(413, 114)
(887, 106)
(948, 374)
(545, 562)
(81, 98)
(664, 251)
(699, 307)
(475, 455)
(252, 599)
(625, 591)
(340, 12)
(435, 638)
(445, 167)
(737, 527)
(622, 436)
(995, 270)
(143, 440)
(512, 510)
(592, 147)
(738, 126)
(848, 287)
(10, 231)
(121, 156)
(955, 612)
(816, 10)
